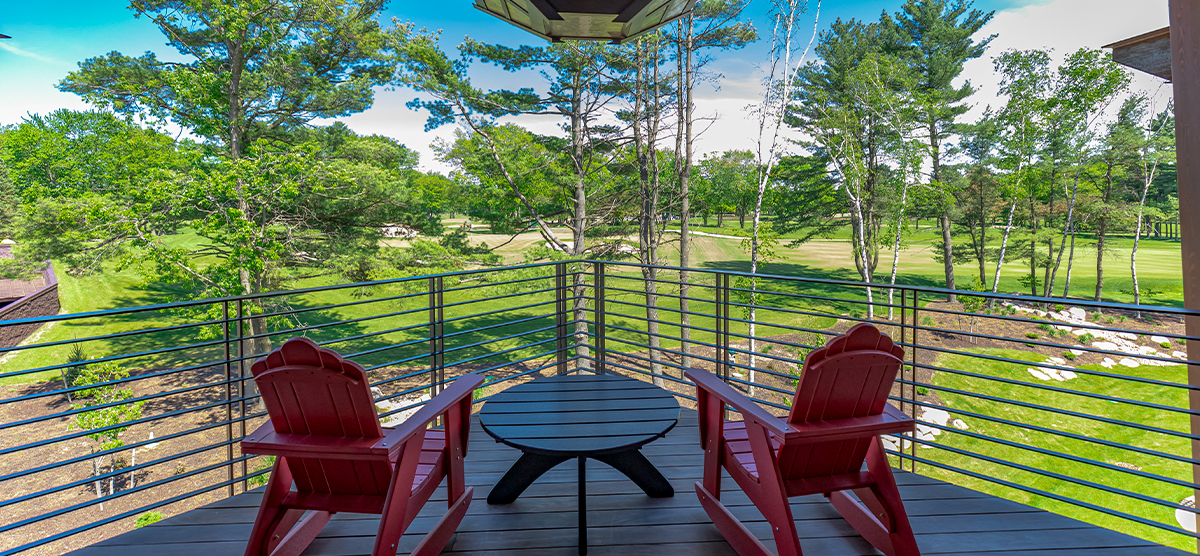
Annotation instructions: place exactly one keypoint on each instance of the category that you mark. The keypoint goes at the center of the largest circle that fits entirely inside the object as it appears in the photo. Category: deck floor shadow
(948, 519)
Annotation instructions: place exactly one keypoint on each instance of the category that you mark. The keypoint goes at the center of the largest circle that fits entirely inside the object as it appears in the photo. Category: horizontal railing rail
(1019, 397)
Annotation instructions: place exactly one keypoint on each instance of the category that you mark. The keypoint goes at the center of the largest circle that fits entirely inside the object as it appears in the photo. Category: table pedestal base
(529, 467)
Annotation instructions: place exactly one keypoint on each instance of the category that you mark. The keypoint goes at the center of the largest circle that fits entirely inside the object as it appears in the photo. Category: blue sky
(51, 38)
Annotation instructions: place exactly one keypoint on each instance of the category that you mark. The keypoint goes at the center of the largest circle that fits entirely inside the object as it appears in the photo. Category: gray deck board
(947, 519)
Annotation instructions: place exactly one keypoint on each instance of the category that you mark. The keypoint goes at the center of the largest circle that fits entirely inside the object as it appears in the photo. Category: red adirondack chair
(326, 437)
(839, 411)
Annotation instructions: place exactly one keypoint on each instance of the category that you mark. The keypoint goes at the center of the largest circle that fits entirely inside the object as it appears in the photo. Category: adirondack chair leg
(392, 521)
(736, 534)
(299, 537)
(892, 534)
(270, 512)
(436, 540)
(282, 527)
(901, 533)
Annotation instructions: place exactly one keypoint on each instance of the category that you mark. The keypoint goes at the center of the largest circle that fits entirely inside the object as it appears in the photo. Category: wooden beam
(1185, 67)
(1148, 52)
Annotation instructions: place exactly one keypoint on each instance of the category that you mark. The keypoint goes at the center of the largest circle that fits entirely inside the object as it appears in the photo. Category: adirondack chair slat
(328, 442)
(838, 412)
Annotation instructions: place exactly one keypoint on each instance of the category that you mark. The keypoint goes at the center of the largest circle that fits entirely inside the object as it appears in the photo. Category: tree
(70, 172)
(717, 29)
(1025, 80)
(1156, 146)
(935, 38)
(108, 414)
(982, 192)
(256, 73)
(1087, 82)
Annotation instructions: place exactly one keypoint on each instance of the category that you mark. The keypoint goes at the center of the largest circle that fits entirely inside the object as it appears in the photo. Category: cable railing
(1074, 406)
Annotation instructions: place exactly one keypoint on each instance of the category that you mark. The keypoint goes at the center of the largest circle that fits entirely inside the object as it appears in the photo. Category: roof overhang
(1148, 52)
(596, 20)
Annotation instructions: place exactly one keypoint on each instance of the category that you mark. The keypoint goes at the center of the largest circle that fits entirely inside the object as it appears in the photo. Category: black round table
(604, 417)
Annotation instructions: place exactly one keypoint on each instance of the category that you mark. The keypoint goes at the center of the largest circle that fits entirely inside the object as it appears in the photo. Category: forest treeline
(864, 128)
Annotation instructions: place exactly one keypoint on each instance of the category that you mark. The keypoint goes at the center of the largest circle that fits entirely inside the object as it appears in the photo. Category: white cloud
(8, 46)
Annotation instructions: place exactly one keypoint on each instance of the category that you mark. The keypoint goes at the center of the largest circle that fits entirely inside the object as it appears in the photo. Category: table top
(579, 415)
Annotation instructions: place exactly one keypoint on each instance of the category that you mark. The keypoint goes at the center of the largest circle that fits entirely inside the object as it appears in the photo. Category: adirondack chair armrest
(461, 388)
(266, 442)
(891, 421)
(751, 411)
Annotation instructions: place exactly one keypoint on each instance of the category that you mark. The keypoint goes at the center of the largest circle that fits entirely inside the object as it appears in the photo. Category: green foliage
(147, 519)
(1086, 338)
(1069, 356)
(922, 390)
(106, 398)
(1032, 335)
(261, 479)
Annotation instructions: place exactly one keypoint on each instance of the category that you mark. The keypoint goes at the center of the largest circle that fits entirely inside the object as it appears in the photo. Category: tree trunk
(948, 253)
(1069, 229)
(579, 225)
(647, 158)
(1004, 245)
(896, 250)
(1137, 237)
(684, 152)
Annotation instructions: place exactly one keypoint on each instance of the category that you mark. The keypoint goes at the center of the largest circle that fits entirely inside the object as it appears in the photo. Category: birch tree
(782, 69)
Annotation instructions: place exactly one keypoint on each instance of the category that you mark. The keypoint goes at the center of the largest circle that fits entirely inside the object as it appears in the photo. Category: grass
(1079, 448)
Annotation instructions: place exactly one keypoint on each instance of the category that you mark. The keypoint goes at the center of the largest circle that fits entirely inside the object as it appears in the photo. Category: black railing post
(598, 291)
(916, 309)
(437, 346)
(560, 316)
(241, 392)
(228, 393)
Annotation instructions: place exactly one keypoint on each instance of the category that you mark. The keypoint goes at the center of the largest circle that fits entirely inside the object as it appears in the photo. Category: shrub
(922, 390)
(1166, 345)
(1069, 355)
(260, 480)
(147, 518)
(927, 321)
(1047, 328)
(1181, 341)
(1059, 308)
(1086, 338)
(1031, 335)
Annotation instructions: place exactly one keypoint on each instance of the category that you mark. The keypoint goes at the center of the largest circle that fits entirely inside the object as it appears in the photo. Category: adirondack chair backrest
(309, 390)
(849, 377)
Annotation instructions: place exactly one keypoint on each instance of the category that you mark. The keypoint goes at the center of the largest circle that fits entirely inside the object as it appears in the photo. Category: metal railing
(1010, 398)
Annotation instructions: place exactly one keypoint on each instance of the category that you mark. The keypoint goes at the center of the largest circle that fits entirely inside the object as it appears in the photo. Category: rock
(1038, 374)
(1052, 373)
(959, 424)
(934, 415)
(1068, 375)
(1130, 363)
(1080, 331)
(1160, 340)
(1147, 350)
(1077, 313)
(1179, 354)
(1057, 361)
(1108, 363)
(1076, 351)
(1106, 346)
(1127, 336)
(1187, 519)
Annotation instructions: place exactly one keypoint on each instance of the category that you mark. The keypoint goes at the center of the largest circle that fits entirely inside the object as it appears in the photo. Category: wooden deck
(948, 519)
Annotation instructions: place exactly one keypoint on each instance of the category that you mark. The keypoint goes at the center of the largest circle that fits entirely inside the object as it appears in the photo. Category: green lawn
(1084, 449)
